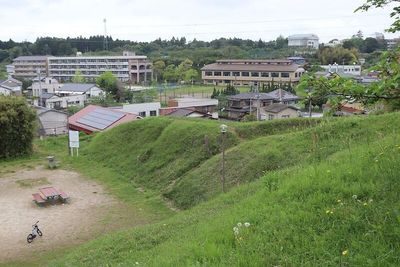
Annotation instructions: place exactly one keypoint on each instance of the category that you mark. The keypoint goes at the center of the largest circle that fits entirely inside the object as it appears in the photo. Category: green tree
(17, 126)
(109, 83)
(158, 68)
(78, 77)
(170, 73)
(190, 75)
(340, 55)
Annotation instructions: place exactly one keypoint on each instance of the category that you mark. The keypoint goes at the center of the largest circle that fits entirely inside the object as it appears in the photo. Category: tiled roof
(24, 58)
(274, 95)
(77, 87)
(277, 107)
(251, 67)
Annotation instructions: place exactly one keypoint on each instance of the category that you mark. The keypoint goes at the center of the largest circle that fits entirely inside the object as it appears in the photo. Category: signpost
(73, 137)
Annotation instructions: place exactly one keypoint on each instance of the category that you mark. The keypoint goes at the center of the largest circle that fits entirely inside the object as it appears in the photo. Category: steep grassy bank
(181, 158)
(157, 153)
(343, 211)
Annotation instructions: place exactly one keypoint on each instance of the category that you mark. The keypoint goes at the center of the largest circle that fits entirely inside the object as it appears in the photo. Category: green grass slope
(157, 153)
(338, 206)
(181, 158)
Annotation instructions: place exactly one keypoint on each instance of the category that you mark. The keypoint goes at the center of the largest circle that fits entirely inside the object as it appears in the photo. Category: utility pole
(105, 43)
(258, 102)
(40, 87)
(223, 129)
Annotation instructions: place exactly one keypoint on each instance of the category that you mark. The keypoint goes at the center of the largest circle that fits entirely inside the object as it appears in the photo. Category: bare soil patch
(90, 212)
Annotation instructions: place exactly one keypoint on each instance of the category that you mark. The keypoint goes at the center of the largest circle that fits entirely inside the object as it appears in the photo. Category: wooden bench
(64, 197)
(38, 199)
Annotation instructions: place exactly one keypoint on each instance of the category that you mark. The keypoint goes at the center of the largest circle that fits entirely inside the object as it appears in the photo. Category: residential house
(203, 105)
(303, 40)
(279, 111)
(246, 103)
(252, 72)
(187, 112)
(95, 118)
(10, 86)
(44, 85)
(143, 109)
(51, 122)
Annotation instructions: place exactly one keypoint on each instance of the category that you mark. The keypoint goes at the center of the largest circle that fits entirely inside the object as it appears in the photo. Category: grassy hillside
(181, 158)
(328, 196)
(163, 154)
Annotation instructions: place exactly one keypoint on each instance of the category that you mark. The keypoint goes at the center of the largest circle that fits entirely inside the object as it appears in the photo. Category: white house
(346, 69)
(45, 85)
(87, 89)
(304, 40)
(143, 109)
(10, 86)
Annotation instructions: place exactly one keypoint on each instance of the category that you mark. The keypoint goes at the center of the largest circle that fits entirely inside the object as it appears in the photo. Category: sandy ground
(87, 214)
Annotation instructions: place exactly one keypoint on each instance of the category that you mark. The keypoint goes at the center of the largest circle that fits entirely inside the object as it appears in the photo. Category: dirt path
(89, 212)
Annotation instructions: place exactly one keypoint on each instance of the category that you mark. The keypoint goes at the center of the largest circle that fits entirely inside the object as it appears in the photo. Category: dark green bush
(17, 126)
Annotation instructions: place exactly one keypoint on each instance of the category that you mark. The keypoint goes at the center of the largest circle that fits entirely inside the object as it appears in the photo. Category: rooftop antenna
(105, 42)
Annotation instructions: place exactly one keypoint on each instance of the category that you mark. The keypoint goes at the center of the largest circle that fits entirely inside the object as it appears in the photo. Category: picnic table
(49, 195)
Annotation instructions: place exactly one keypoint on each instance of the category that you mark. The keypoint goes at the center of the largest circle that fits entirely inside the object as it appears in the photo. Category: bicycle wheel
(29, 238)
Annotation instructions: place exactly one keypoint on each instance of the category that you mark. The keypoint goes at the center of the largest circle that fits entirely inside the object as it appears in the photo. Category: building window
(153, 113)
(208, 73)
(217, 73)
(227, 73)
(255, 74)
(264, 74)
(285, 116)
(245, 74)
(270, 116)
(142, 114)
(235, 73)
(285, 74)
(275, 74)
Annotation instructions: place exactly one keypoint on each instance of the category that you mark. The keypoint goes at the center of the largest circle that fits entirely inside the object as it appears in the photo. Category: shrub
(17, 126)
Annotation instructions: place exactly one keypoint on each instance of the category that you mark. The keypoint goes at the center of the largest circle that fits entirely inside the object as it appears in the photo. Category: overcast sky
(147, 20)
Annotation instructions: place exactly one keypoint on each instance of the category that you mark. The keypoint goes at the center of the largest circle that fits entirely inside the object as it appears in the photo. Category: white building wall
(143, 107)
(4, 91)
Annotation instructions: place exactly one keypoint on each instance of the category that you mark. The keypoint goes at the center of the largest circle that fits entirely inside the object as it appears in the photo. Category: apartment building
(252, 72)
(127, 68)
(27, 67)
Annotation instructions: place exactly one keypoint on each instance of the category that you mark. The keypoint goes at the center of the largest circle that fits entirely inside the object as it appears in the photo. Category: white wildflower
(354, 197)
(246, 224)
(235, 230)
(239, 224)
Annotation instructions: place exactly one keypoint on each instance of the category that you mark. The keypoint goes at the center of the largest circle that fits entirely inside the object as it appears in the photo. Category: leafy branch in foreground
(381, 4)
(386, 89)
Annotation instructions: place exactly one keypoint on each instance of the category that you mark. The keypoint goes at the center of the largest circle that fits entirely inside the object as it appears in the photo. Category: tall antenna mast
(105, 42)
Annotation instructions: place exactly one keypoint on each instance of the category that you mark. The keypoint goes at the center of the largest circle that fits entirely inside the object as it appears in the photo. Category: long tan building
(251, 72)
(27, 67)
(127, 68)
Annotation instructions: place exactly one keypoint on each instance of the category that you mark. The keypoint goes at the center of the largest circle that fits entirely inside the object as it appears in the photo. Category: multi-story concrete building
(28, 67)
(251, 72)
(303, 40)
(129, 67)
(346, 69)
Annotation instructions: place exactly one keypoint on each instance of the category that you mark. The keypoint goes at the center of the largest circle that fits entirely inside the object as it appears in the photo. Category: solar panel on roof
(100, 118)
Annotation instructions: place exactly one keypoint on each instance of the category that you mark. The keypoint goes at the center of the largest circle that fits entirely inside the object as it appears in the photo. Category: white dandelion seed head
(246, 224)
(239, 224)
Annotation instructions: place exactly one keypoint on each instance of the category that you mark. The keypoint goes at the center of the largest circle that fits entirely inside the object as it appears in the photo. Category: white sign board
(73, 139)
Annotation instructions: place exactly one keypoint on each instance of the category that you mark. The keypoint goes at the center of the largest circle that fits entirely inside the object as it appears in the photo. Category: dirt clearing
(89, 213)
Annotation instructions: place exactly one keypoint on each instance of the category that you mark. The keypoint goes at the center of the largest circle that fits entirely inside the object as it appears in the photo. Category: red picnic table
(49, 194)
